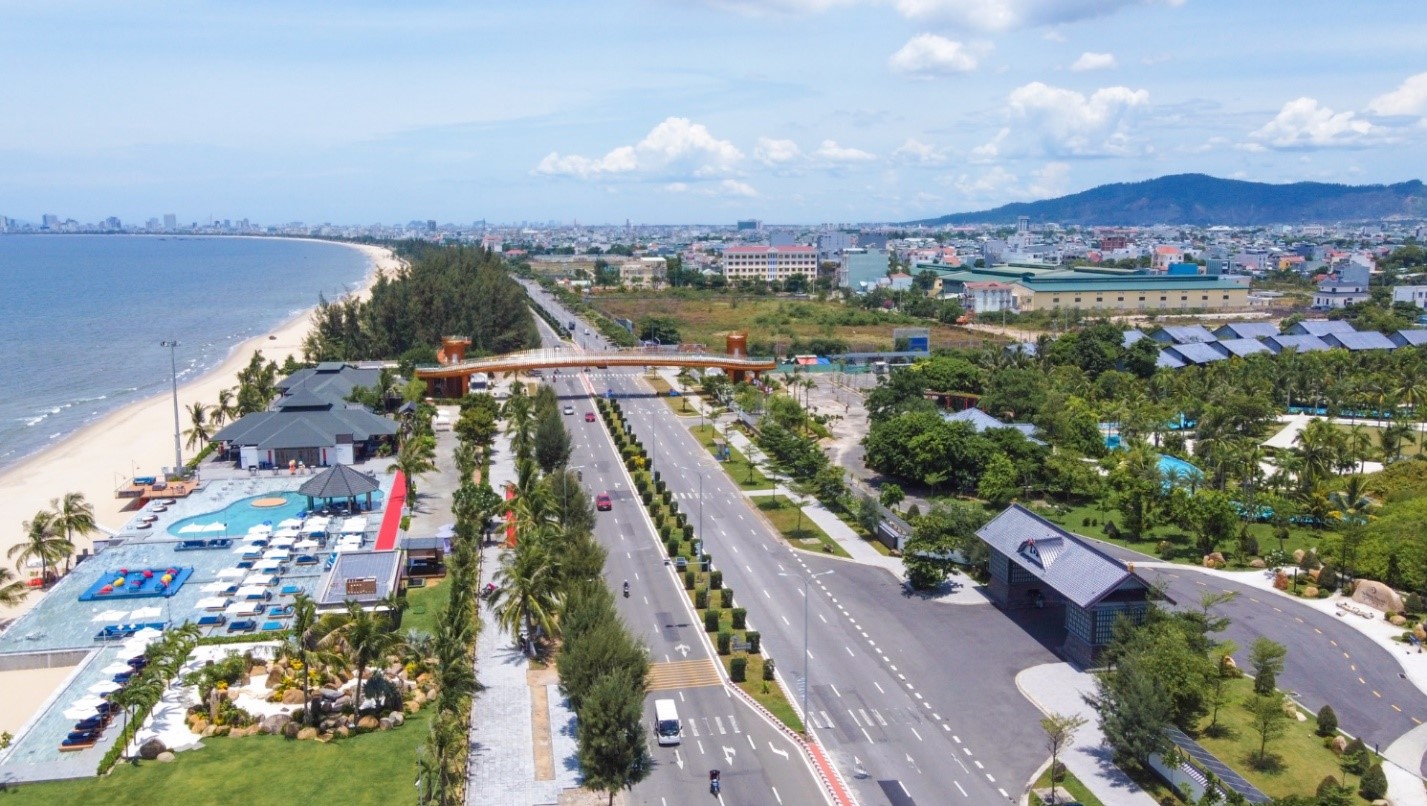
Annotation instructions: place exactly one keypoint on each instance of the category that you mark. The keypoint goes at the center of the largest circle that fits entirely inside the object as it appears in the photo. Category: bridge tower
(736, 344)
(453, 351)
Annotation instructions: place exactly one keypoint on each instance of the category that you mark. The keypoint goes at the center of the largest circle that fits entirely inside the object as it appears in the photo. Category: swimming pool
(240, 516)
(1171, 467)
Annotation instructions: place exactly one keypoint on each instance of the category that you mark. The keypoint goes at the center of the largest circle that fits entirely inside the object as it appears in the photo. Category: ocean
(82, 316)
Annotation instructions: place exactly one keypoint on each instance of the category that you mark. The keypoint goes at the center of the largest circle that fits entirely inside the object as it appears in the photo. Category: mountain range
(1200, 200)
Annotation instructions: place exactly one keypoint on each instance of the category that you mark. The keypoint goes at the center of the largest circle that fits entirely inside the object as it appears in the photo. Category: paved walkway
(1057, 688)
(501, 767)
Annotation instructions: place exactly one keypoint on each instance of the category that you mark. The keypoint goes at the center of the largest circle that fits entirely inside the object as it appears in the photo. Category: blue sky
(684, 111)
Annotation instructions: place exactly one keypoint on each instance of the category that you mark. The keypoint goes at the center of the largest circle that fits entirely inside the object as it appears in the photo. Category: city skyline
(662, 112)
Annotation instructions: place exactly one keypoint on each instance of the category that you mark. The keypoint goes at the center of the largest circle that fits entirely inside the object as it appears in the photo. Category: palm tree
(198, 431)
(43, 542)
(364, 637)
(226, 410)
(12, 591)
(1353, 508)
(417, 456)
(527, 594)
(299, 645)
(1393, 436)
(74, 515)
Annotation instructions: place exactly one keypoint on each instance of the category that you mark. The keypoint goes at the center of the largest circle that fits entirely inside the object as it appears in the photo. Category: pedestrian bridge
(452, 378)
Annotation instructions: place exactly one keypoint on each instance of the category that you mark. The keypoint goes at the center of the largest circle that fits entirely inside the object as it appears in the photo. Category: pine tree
(613, 753)
(1327, 721)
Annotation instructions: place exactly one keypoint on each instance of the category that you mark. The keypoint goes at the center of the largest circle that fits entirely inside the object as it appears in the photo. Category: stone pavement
(1057, 688)
(501, 768)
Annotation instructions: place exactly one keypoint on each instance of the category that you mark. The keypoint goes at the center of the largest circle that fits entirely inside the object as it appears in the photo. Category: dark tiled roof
(1246, 330)
(331, 381)
(1195, 353)
(1072, 567)
(338, 481)
(276, 429)
(379, 565)
(1368, 340)
(1240, 347)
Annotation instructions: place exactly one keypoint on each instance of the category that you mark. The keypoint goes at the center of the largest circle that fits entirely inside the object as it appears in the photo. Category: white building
(988, 297)
(769, 263)
(1349, 288)
(1414, 294)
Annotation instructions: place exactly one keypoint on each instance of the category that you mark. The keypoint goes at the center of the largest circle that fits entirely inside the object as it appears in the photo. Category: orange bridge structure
(451, 377)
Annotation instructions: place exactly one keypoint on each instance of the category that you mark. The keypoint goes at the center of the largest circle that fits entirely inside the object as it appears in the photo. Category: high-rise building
(49, 221)
(769, 262)
(750, 225)
(170, 221)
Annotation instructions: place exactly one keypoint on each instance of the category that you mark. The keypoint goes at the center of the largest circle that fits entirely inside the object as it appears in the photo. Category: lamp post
(172, 346)
(807, 594)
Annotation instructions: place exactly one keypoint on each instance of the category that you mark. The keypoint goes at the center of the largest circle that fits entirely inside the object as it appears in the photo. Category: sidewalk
(1056, 688)
(506, 734)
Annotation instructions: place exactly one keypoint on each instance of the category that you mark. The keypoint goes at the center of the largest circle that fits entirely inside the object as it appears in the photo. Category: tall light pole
(172, 346)
(807, 683)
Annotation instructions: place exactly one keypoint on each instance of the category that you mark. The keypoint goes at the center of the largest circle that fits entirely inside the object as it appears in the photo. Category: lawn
(846, 517)
(1303, 760)
(1068, 783)
(738, 468)
(424, 605)
(1075, 519)
(706, 317)
(768, 694)
(255, 770)
(1408, 448)
(785, 517)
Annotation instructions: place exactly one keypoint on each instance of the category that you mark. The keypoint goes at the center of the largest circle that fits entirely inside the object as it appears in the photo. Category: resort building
(1036, 564)
(1246, 330)
(1320, 328)
(1044, 288)
(646, 272)
(769, 263)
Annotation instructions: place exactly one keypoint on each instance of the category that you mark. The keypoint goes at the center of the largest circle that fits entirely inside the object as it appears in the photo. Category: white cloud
(830, 151)
(728, 187)
(1005, 15)
(1094, 61)
(733, 187)
(989, 151)
(998, 185)
(675, 147)
(929, 55)
(1053, 35)
(1050, 180)
(918, 152)
(1408, 99)
(1303, 123)
(1071, 124)
(776, 152)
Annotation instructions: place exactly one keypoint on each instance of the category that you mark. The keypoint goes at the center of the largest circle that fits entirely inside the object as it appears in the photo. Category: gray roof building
(1246, 330)
(1195, 353)
(1320, 328)
(1189, 334)
(982, 421)
(1357, 342)
(1409, 338)
(1239, 348)
(1299, 342)
(359, 576)
(1167, 360)
(328, 382)
(1131, 336)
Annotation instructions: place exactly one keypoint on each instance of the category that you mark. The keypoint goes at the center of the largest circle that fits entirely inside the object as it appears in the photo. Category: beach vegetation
(200, 425)
(12, 590)
(257, 384)
(44, 542)
(416, 457)
(75, 516)
(226, 409)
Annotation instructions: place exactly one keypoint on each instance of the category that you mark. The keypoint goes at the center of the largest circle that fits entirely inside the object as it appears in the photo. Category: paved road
(759, 764)
(1328, 661)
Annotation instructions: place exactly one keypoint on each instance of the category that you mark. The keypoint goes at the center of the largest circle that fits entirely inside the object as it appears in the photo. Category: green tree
(1327, 722)
(927, 555)
(552, 443)
(1373, 784)
(1266, 657)
(999, 483)
(1213, 518)
(1060, 732)
(416, 457)
(75, 516)
(612, 749)
(1268, 720)
(199, 426)
(364, 637)
(12, 590)
(892, 495)
(1136, 488)
(43, 542)
(527, 592)
(1133, 715)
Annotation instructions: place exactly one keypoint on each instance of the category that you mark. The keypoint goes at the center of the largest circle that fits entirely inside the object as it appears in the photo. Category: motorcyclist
(713, 781)
(626, 589)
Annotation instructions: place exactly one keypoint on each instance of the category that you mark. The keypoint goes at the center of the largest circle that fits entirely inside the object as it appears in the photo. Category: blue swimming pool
(1171, 466)
(240, 516)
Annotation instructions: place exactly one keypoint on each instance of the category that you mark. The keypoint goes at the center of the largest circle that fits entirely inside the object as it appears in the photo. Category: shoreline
(96, 458)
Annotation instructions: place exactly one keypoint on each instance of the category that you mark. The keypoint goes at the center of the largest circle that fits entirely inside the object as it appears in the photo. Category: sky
(686, 111)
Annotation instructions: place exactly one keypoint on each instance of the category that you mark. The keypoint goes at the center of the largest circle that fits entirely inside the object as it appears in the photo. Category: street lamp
(172, 346)
(807, 594)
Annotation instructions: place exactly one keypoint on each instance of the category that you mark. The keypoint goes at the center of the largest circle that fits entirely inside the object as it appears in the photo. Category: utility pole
(172, 346)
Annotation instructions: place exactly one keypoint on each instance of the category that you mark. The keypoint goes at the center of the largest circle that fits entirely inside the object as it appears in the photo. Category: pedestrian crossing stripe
(683, 674)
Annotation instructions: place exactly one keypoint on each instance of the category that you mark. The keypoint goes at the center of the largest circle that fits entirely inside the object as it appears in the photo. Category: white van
(667, 727)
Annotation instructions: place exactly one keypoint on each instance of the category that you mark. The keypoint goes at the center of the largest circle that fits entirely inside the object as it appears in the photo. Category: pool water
(240, 516)
(1171, 466)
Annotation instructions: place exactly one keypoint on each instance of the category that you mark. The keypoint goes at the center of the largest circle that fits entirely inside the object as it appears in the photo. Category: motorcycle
(626, 590)
(713, 782)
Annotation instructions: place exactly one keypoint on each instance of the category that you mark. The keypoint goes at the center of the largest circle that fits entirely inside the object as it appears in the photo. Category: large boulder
(368, 722)
(1257, 563)
(290, 730)
(1339, 745)
(1397, 620)
(166, 757)
(306, 733)
(1378, 596)
(148, 751)
(330, 693)
(1214, 560)
(198, 725)
(274, 723)
(411, 706)
(384, 723)
(1298, 555)
(258, 669)
(397, 719)
(292, 696)
(1310, 592)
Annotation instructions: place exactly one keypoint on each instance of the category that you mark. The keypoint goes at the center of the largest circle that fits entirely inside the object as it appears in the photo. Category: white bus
(666, 722)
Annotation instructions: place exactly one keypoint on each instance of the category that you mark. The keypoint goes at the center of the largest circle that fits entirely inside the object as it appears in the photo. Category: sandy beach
(97, 459)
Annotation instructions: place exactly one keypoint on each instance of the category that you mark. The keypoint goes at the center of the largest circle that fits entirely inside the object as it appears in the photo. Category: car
(569, 409)
(589, 416)
(602, 502)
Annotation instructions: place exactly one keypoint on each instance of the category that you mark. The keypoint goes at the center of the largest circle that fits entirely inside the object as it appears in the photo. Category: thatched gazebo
(339, 483)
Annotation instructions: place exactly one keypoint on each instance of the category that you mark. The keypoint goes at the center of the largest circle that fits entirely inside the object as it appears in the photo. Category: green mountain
(1200, 200)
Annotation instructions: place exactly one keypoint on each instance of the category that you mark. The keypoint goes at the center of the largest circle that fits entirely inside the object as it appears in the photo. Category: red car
(602, 502)
(589, 416)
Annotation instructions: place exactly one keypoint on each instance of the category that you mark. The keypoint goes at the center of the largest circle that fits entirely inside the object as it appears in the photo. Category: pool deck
(60, 625)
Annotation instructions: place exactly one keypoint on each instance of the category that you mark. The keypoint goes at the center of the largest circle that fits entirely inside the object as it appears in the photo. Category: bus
(666, 722)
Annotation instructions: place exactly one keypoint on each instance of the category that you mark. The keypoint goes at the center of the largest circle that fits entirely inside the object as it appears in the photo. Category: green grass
(1069, 783)
(846, 517)
(784, 516)
(1073, 518)
(424, 605)
(1408, 449)
(768, 693)
(257, 770)
(1303, 759)
(743, 473)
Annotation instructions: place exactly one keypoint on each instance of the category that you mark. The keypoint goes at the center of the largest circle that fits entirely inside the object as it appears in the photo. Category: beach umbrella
(117, 667)
(104, 687)
(77, 712)
(148, 635)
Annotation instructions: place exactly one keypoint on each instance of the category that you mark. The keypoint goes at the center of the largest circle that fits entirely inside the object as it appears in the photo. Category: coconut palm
(74, 515)
(527, 592)
(1393, 436)
(1352, 508)
(43, 542)
(200, 425)
(225, 410)
(12, 590)
(298, 645)
(363, 637)
(417, 456)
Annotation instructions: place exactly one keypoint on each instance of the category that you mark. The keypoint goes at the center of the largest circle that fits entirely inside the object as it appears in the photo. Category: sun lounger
(123, 677)
(212, 620)
(243, 625)
(68, 746)
(273, 626)
(91, 735)
(305, 559)
(96, 722)
(288, 590)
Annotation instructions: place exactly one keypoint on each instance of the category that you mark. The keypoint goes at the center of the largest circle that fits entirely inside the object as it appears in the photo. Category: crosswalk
(683, 674)
(698, 727)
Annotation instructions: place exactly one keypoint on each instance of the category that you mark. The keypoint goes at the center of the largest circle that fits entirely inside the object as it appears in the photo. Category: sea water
(82, 318)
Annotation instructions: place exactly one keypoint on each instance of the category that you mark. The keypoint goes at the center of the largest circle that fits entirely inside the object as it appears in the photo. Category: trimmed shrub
(715, 579)
(754, 639)
(1057, 772)
(673, 546)
(1327, 577)
(738, 669)
(726, 599)
(1413, 604)
(688, 532)
(725, 641)
(1327, 721)
(701, 598)
(740, 617)
(768, 669)
(1374, 783)
(688, 580)
(646, 497)
(1355, 757)
(711, 617)
(665, 532)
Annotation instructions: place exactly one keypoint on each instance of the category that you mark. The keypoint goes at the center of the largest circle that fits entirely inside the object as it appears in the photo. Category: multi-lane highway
(758, 762)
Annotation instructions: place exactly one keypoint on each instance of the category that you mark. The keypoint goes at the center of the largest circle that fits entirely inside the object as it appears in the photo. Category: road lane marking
(1376, 694)
(824, 618)
(1364, 682)
(775, 794)
(1395, 708)
(835, 692)
(914, 733)
(1331, 641)
(990, 778)
(879, 687)
(752, 745)
(963, 791)
(1315, 629)
(785, 619)
(868, 735)
(765, 593)
(1003, 792)
(849, 651)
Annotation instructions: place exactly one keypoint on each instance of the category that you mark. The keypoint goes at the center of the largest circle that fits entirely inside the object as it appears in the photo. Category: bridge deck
(559, 359)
